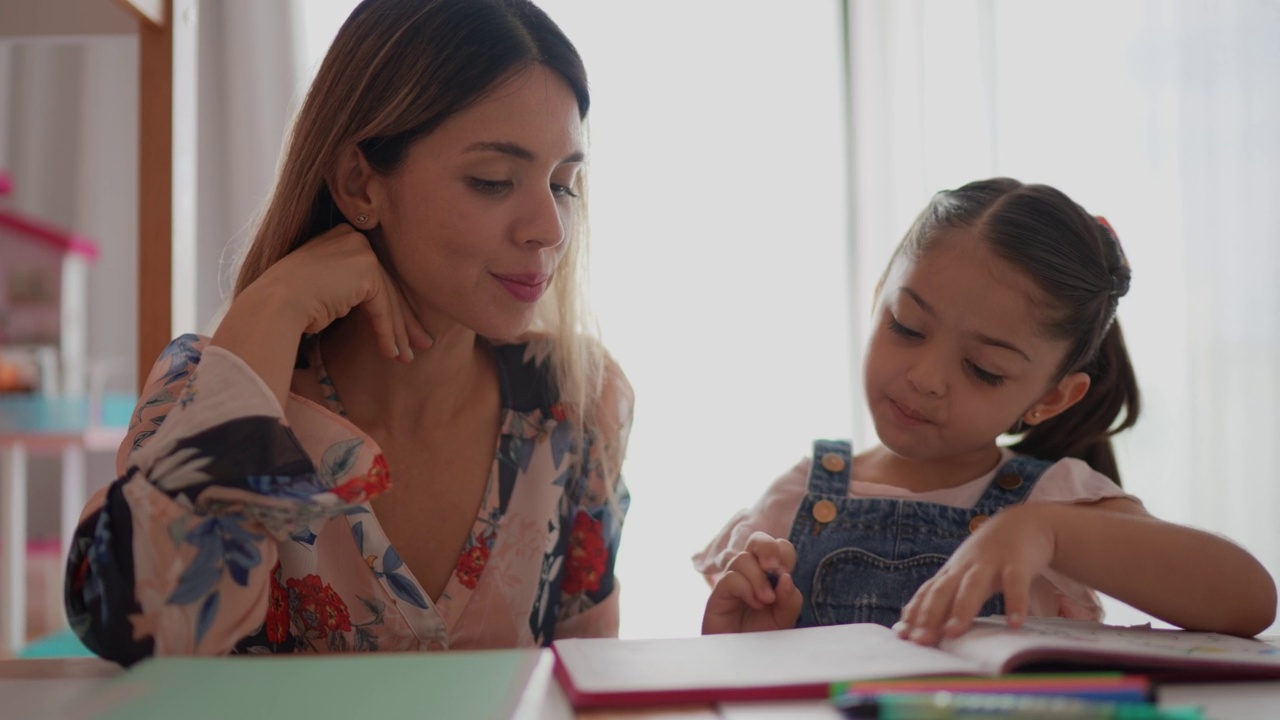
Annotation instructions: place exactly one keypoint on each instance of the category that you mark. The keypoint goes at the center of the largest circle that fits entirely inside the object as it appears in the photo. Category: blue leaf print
(404, 589)
(195, 582)
(141, 438)
(561, 442)
(357, 532)
(181, 354)
(357, 510)
(391, 561)
(304, 537)
(240, 574)
(207, 612)
(526, 449)
(338, 459)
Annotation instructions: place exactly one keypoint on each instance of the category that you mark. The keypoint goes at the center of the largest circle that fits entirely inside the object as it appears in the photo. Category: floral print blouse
(238, 526)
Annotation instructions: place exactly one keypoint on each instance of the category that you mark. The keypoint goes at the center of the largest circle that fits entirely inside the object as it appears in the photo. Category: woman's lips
(525, 287)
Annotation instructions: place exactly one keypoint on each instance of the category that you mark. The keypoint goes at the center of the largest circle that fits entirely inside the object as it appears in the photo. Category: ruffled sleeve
(175, 556)
(772, 514)
(589, 589)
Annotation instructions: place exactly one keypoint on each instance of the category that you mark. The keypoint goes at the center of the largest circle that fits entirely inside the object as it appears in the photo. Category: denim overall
(862, 559)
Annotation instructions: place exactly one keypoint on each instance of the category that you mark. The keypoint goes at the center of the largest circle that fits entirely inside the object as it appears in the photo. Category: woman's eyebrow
(518, 151)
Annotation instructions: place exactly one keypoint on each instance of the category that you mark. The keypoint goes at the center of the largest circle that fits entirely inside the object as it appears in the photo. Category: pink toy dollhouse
(42, 294)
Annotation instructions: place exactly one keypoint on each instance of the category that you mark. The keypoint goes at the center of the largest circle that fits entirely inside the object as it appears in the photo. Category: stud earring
(1035, 415)
(362, 218)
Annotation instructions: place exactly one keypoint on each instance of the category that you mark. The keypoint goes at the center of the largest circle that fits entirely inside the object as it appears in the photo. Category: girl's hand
(744, 599)
(1004, 555)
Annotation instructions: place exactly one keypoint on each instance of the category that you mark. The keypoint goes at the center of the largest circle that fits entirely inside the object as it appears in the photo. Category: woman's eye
(983, 376)
(902, 330)
(489, 187)
(562, 191)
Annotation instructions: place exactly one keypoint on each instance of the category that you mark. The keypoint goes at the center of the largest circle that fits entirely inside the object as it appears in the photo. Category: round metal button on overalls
(1009, 480)
(833, 462)
(977, 522)
(824, 511)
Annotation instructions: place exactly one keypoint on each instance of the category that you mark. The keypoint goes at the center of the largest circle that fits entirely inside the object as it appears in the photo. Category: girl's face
(476, 219)
(956, 356)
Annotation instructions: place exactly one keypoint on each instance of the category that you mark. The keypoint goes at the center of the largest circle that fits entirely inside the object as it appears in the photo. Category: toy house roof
(37, 231)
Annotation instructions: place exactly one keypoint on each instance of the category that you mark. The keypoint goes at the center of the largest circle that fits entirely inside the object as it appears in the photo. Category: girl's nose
(926, 377)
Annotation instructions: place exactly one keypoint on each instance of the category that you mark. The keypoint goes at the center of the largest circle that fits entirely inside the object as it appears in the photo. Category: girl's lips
(525, 287)
(907, 416)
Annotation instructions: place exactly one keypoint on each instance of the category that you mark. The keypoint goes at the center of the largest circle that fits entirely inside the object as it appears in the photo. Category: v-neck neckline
(448, 607)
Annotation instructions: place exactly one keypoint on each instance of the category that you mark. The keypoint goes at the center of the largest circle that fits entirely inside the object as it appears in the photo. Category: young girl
(399, 438)
(995, 315)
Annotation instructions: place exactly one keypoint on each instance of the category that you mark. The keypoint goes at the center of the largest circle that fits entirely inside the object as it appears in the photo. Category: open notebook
(803, 663)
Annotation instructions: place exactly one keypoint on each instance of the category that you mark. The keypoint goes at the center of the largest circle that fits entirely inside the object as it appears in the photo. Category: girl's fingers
(786, 611)
(731, 595)
(774, 554)
(747, 565)
(934, 608)
(973, 591)
(1016, 585)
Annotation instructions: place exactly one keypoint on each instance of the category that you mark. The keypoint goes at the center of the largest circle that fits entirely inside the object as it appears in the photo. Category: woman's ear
(1069, 391)
(357, 189)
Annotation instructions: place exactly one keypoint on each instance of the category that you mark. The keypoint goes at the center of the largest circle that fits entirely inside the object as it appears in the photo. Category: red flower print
(317, 605)
(472, 563)
(558, 412)
(373, 483)
(278, 610)
(586, 555)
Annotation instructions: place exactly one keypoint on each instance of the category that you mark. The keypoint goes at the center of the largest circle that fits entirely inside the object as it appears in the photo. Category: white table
(36, 423)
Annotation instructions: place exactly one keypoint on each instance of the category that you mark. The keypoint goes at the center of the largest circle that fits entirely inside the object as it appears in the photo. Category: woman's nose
(546, 220)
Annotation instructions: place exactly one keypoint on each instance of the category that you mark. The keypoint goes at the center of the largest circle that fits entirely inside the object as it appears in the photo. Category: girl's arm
(1184, 576)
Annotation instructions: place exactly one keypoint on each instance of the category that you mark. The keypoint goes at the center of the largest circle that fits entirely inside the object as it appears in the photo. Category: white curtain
(1161, 115)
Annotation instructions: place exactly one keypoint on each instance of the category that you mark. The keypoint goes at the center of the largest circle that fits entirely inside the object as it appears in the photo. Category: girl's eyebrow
(518, 151)
(984, 339)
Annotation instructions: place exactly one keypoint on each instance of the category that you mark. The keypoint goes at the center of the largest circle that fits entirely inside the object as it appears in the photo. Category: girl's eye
(902, 330)
(489, 187)
(985, 377)
(562, 191)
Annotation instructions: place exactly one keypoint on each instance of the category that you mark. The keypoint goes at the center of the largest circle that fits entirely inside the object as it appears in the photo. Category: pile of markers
(1093, 696)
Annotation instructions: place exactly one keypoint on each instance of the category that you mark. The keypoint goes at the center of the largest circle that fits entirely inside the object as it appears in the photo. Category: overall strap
(829, 471)
(1012, 483)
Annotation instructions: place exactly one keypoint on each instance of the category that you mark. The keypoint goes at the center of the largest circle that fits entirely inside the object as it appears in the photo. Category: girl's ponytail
(1084, 431)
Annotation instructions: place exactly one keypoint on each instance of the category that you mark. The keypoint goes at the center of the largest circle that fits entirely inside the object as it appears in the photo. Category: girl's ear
(357, 189)
(1069, 391)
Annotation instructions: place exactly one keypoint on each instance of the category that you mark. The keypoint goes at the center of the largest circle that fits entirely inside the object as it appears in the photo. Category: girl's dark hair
(1077, 263)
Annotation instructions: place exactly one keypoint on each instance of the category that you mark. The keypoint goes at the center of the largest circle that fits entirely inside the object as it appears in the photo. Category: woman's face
(478, 215)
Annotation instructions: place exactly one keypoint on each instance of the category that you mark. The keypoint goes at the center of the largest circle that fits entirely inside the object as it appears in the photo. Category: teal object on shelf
(58, 645)
(40, 414)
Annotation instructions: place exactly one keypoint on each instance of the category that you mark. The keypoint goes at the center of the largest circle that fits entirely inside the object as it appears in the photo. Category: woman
(408, 310)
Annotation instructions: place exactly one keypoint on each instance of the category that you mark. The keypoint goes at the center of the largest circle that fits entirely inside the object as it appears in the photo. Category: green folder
(483, 684)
